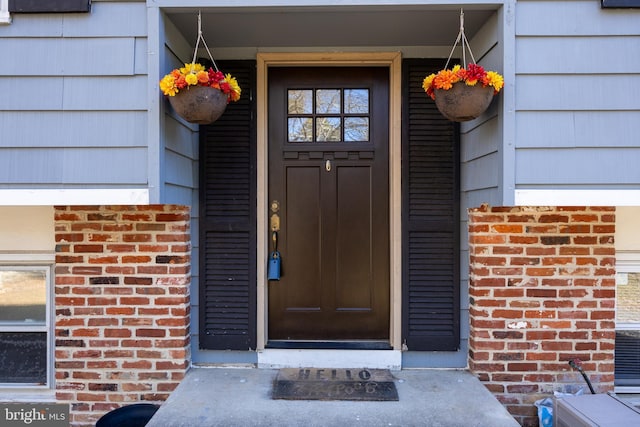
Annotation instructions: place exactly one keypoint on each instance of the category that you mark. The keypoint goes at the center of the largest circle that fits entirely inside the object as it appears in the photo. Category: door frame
(392, 60)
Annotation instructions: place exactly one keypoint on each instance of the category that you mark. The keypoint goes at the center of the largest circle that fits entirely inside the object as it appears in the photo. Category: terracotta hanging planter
(462, 94)
(199, 95)
(463, 102)
(199, 104)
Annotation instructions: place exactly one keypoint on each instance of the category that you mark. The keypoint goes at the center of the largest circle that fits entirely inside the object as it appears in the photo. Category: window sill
(12, 394)
(626, 389)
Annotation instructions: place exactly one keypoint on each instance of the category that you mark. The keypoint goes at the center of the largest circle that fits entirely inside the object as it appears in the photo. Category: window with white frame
(5, 16)
(25, 326)
(627, 352)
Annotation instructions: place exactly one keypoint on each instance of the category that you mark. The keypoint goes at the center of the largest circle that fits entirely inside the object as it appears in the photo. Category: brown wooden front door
(329, 186)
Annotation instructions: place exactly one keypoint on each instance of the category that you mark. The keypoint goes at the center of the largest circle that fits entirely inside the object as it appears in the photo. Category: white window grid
(45, 326)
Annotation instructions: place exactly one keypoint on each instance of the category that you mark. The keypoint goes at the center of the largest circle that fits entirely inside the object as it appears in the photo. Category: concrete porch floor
(242, 397)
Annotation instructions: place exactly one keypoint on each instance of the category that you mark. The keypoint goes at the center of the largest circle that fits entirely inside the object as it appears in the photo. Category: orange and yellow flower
(235, 87)
(168, 85)
(193, 74)
(445, 79)
(495, 80)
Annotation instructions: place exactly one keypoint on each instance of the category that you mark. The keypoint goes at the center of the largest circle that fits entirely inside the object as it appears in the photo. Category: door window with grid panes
(328, 115)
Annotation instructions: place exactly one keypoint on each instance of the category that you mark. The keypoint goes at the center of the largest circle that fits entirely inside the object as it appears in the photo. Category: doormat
(334, 384)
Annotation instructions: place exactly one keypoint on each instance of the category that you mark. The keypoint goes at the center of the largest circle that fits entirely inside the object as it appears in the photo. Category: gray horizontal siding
(544, 92)
(68, 57)
(73, 109)
(58, 129)
(141, 53)
(482, 142)
(481, 147)
(555, 129)
(182, 196)
(109, 19)
(473, 200)
(74, 93)
(105, 93)
(179, 170)
(34, 25)
(480, 173)
(106, 19)
(578, 167)
(577, 89)
(180, 138)
(578, 55)
(90, 166)
(573, 18)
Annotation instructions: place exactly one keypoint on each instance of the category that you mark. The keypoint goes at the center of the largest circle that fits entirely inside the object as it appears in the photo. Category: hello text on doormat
(334, 384)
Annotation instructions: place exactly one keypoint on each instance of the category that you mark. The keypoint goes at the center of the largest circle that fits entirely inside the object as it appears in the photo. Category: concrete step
(242, 397)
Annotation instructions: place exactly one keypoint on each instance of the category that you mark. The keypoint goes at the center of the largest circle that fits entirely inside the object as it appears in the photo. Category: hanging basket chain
(195, 50)
(462, 39)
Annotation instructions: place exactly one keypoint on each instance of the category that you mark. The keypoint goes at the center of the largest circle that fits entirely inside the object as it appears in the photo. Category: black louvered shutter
(228, 221)
(430, 218)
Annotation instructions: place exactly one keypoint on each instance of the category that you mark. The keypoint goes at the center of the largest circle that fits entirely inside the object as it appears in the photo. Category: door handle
(274, 222)
(273, 269)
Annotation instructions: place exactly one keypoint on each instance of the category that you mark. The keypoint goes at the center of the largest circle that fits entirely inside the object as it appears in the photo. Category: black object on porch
(136, 415)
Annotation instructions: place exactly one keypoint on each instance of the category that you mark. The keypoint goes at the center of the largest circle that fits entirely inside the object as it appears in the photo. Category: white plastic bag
(545, 412)
(545, 407)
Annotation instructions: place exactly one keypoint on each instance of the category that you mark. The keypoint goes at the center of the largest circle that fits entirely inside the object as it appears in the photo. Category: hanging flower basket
(198, 95)
(199, 104)
(462, 102)
(462, 94)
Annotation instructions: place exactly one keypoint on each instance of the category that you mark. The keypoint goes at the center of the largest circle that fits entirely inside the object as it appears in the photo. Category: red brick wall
(122, 305)
(542, 292)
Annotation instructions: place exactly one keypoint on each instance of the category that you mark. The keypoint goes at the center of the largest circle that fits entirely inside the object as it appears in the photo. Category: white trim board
(5, 16)
(393, 60)
(536, 197)
(372, 359)
(85, 196)
(27, 258)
